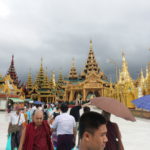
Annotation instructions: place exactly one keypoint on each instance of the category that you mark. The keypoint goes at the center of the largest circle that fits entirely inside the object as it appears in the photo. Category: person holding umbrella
(113, 134)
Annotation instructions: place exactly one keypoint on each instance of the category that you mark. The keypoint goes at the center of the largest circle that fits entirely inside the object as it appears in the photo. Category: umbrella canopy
(38, 103)
(113, 106)
(142, 102)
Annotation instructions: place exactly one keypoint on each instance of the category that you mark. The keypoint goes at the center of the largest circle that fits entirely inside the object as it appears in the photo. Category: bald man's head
(37, 117)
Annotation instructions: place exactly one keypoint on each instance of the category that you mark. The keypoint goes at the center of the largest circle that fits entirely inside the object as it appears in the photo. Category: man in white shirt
(16, 118)
(65, 127)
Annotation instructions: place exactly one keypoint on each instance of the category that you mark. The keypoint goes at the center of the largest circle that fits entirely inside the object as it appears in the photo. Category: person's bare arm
(52, 129)
(22, 139)
(86, 104)
(74, 132)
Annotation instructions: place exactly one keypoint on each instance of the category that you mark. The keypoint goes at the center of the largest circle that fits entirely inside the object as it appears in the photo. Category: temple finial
(73, 62)
(41, 60)
(91, 45)
(122, 52)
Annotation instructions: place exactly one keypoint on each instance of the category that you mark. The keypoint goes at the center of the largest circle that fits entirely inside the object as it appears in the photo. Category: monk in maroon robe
(36, 136)
(113, 134)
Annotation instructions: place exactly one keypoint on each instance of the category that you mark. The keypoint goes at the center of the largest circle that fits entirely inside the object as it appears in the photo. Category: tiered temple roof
(91, 64)
(60, 82)
(29, 81)
(46, 82)
(40, 77)
(73, 72)
(12, 72)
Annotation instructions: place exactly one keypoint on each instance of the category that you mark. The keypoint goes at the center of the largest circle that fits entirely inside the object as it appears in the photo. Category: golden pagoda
(41, 90)
(125, 90)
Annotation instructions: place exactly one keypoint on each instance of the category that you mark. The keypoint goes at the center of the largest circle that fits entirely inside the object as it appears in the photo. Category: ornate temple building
(92, 82)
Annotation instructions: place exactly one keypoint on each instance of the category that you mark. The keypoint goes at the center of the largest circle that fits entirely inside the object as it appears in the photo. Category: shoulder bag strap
(18, 119)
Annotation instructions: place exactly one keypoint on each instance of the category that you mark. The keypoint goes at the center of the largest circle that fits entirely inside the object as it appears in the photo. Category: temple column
(71, 95)
(84, 94)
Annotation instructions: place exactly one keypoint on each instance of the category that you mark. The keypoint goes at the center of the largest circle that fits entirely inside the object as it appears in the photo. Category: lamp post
(116, 67)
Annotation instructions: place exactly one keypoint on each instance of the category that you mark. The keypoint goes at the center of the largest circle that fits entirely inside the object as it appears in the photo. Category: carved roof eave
(92, 78)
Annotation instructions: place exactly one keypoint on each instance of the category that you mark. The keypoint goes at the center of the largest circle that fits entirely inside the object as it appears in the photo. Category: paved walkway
(135, 135)
(4, 120)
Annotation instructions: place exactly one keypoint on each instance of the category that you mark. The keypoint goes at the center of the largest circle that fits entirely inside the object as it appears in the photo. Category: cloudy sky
(58, 30)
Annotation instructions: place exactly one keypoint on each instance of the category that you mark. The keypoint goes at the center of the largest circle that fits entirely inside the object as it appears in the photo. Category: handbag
(14, 128)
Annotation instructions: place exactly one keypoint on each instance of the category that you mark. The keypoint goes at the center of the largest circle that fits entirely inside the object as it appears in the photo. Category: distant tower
(12, 72)
(73, 73)
(60, 81)
(124, 75)
(29, 81)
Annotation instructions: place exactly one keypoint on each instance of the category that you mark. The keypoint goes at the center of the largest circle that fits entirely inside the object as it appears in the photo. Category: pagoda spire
(12, 72)
(147, 73)
(53, 79)
(124, 75)
(124, 63)
(29, 81)
(46, 81)
(73, 72)
(52, 82)
(60, 78)
(142, 79)
(40, 76)
(60, 82)
(91, 64)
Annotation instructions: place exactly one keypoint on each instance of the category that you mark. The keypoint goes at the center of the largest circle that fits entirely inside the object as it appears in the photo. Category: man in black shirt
(75, 112)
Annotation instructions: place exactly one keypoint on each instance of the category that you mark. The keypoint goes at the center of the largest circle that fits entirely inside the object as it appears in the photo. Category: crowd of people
(55, 127)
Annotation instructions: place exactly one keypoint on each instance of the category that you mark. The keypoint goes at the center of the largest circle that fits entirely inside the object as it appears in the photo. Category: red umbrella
(113, 106)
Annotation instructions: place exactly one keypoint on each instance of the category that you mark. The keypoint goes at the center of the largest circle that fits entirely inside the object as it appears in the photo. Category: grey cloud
(61, 30)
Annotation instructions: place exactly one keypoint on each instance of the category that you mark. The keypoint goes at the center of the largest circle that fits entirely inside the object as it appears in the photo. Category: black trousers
(65, 142)
(15, 140)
